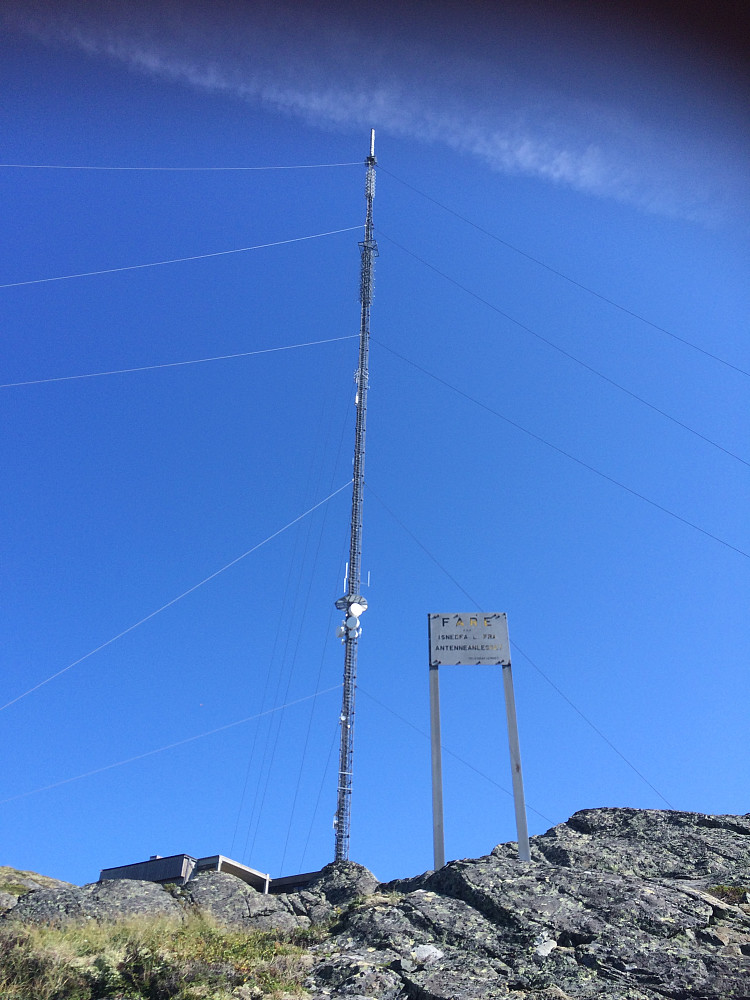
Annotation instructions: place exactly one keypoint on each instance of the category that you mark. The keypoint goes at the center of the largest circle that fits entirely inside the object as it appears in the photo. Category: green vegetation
(730, 893)
(14, 888)
(153, 959)
(18, 882)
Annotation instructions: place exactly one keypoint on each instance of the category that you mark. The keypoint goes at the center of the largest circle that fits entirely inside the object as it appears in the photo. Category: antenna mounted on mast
(352, 603)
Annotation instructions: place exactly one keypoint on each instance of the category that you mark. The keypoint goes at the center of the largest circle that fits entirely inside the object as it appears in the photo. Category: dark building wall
(176, 868)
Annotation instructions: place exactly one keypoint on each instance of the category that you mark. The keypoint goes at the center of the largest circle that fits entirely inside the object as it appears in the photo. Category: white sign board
(469, 640)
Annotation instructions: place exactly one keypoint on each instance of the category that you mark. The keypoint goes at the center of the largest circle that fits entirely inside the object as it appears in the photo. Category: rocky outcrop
(231, 900)
(528, 928)
(648, 843)
(15, 883)
(617, 903)
(110, 900)
(342, 881)
(338, 885)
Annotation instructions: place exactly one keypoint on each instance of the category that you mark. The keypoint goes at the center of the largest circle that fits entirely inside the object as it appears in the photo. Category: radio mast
(352, 603)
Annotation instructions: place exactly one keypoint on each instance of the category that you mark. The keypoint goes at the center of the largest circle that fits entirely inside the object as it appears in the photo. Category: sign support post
(462, 640)
(522, 830)
(438, 836)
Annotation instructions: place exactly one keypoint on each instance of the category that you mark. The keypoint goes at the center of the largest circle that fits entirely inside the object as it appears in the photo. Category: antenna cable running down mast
(352, 603)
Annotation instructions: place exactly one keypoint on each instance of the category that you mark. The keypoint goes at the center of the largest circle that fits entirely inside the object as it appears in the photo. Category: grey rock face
(570, 927)
(342, 881)
(616, 903)
(15, 883)
(339, 883)
(312, 905)
(7, 901)
(649, 843)
(230, 900)
(98, 901)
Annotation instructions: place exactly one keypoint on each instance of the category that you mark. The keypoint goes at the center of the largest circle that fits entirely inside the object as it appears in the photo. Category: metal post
(522, 830)
(438, 836)
(438, 832)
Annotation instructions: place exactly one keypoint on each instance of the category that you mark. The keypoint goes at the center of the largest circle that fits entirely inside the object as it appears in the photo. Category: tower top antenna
(353, 604)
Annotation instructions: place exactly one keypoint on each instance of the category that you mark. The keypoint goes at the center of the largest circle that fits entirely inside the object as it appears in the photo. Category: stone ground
(618, 903)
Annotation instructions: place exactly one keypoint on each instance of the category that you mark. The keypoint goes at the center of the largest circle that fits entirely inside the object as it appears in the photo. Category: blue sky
(615, 157)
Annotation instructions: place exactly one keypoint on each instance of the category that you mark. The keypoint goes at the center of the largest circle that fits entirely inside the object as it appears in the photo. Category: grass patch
(153, 959)
(730, 893)
(18, 882)
(14, 888)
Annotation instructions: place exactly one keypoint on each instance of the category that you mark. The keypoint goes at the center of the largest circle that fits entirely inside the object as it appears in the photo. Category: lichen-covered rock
(616, 903)
(402, 925)
(342, 881)
(109, 900)
(15, 882)
(338, 884)
(649, 843)
(356, 977)
(312, 905)
(605, 926)
(229, 899)
(7, 901)
(610, 906)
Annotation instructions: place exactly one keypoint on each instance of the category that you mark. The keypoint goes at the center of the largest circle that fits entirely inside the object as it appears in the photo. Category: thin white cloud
(327, 73)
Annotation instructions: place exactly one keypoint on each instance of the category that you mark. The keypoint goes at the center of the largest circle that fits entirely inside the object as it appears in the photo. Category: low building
(180, 868)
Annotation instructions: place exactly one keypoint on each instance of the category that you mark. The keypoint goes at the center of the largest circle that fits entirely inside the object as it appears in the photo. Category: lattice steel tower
(352, 603)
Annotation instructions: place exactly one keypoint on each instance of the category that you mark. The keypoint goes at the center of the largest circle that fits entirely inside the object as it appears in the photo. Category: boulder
(337, 885)
(7, 901)
(232, 901)
(648, 843)
(342, 881)
(109, 900)
(14, 883)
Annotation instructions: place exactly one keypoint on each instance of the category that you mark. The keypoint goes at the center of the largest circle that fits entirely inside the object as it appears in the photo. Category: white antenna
(352, 603)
